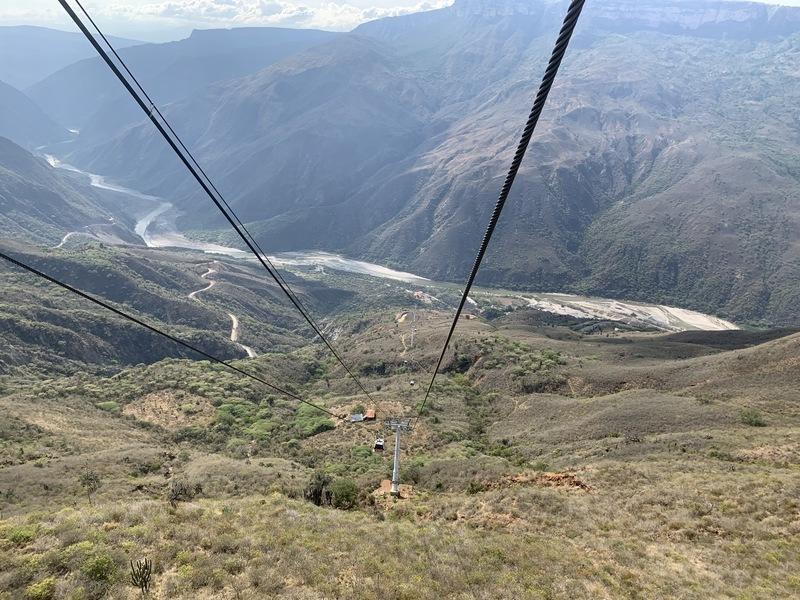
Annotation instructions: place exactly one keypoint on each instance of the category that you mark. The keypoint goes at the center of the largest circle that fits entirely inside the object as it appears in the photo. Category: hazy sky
(170, 19)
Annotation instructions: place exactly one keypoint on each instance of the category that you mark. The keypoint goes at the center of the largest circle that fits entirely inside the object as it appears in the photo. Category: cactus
(141, 573)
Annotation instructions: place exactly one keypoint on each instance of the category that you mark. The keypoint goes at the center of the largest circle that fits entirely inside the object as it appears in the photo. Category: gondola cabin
(378, 445)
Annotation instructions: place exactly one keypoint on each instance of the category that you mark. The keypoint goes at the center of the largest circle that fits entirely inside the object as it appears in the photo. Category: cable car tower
(397, 425)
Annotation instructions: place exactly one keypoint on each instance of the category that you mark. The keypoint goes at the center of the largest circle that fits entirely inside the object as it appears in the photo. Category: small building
(369, 415)
(357, 418)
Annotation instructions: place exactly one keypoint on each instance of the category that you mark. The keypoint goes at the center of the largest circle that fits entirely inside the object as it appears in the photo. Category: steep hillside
(41, 204)
(557, 465)
(665, 167)
(45, 329)
(24, 122)
(228, 307)
(99, 106)
(570, 448)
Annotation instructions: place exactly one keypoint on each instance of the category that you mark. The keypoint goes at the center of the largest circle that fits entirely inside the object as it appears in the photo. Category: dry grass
(170, 411)
(639, 480)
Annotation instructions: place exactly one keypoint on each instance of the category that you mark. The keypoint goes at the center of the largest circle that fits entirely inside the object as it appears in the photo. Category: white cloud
(326, 15)
(161, 20)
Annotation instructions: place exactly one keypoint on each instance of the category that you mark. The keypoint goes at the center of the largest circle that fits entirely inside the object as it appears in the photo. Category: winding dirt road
(403, 318)
(211, 284)
(235, 336)
(235, 330)
(69, 235)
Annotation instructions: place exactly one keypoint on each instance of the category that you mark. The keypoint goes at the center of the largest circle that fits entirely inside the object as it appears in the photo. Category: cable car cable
(149, 111)
(178, 341)
(562, 43)
(258, 252)
(191, 156)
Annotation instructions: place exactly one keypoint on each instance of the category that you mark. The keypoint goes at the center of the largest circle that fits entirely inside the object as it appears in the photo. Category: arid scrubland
(548, 465)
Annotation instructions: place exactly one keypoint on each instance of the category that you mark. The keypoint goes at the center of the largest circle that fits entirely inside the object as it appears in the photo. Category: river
(156, 226)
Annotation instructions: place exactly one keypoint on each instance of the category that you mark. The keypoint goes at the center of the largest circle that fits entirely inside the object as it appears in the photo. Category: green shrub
(19, 536)
(361, 452)
(552, 358)
(109, 406)
(310, 421)
(261, 429)
(42, 590)
(492, 313)
(461, 364)
(412, 471)
(475, 487)
(99, 567)
(752, 417)
(344, 493)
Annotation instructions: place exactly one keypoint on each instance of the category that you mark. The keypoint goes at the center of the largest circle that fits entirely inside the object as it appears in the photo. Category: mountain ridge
(23, 121)
(169, 71)
(32, 53)
(390, 144)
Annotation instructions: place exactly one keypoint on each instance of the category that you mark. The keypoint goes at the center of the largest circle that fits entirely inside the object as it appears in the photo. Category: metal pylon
(398, 426)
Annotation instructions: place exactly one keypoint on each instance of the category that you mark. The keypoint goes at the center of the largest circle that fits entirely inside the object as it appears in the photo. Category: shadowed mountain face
(664, 168)
(24, 122)
(87, 96)
(32, 53)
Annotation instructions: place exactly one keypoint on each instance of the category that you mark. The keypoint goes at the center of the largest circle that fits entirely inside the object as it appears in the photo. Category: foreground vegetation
(549, 463)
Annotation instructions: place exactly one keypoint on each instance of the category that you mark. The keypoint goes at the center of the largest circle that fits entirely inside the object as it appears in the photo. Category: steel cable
(151, 113)
(155, 330)
(562, 43)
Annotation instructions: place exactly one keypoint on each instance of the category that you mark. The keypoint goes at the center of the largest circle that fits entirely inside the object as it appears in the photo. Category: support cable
(151, 111)
(562, 43)
(154, 108)
(155, 330)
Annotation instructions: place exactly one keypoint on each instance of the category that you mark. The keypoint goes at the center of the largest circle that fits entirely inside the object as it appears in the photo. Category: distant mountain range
(32, 53)
(86, 95)
(665, 167)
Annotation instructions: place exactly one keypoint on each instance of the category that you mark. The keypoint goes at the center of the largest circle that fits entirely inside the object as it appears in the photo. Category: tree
(181, 491)
(90, 481)
(344, 493)
(317, 488)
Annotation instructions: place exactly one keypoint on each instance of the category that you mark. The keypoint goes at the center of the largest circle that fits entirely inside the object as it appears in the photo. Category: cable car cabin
(378, 445)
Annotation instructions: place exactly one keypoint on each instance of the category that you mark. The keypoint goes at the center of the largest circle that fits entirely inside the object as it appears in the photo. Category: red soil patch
(383, 495)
